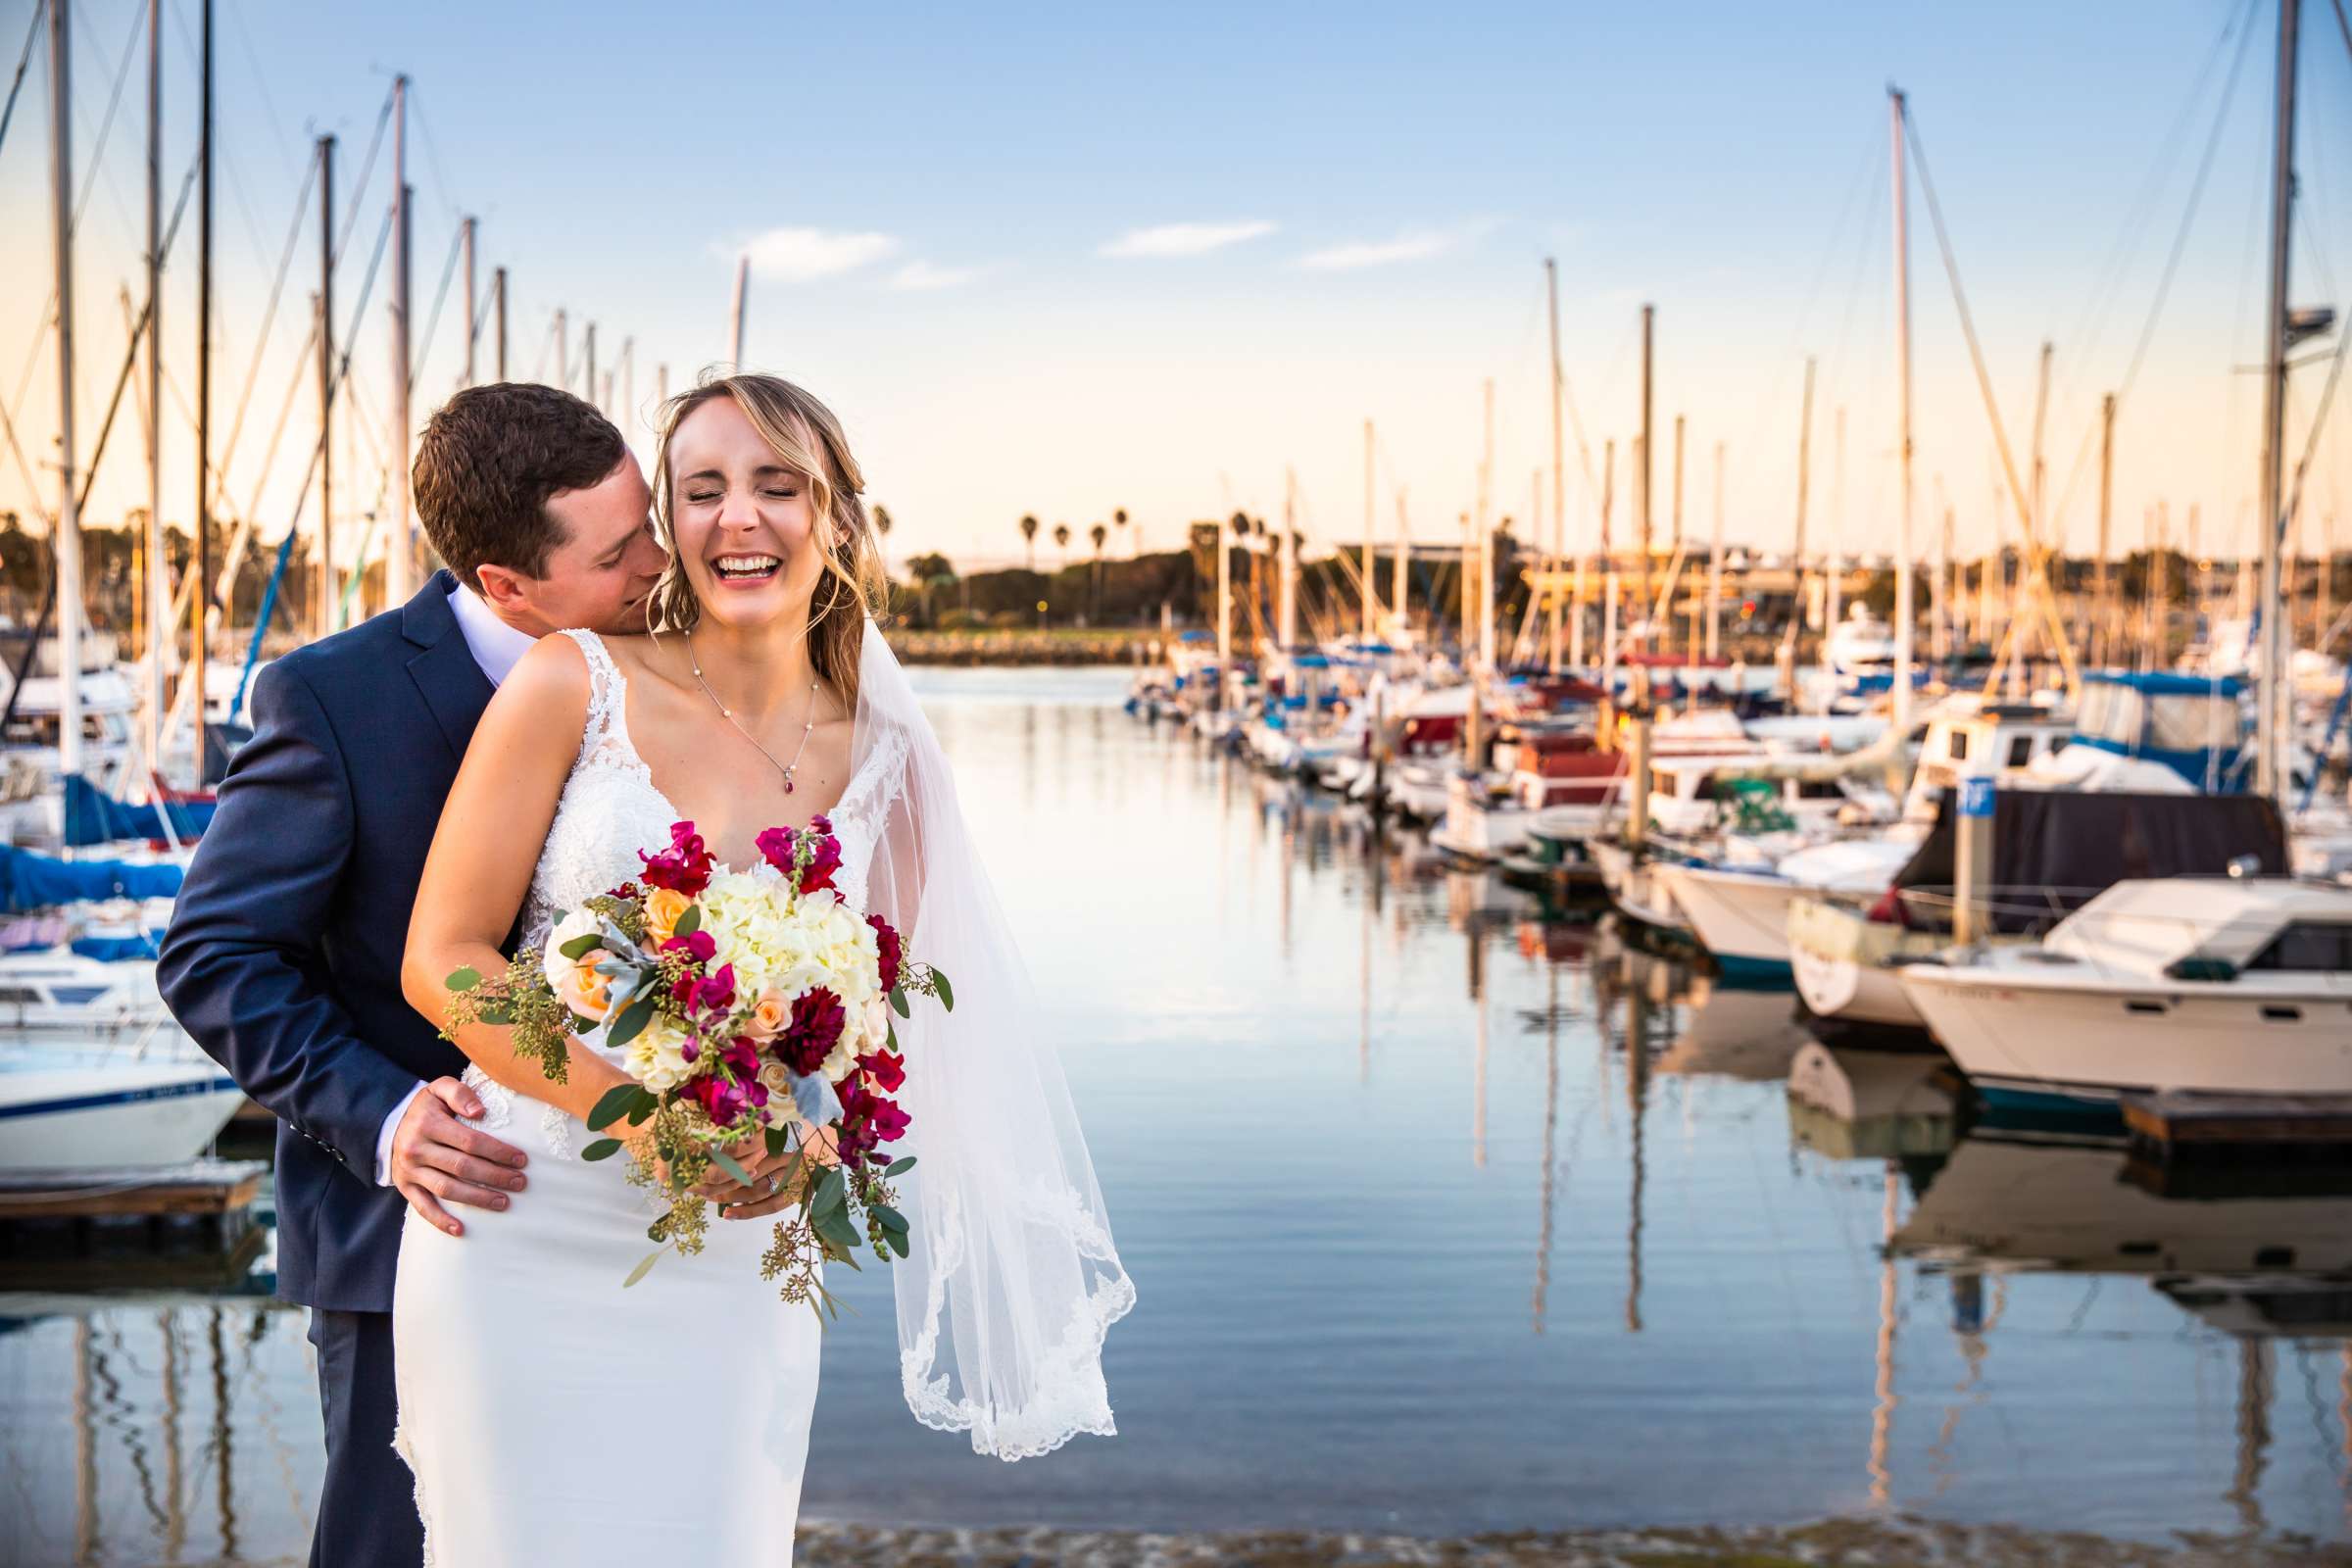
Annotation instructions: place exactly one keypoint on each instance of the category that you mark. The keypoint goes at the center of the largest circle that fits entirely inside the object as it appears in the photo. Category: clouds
(800, 255)
(1203, 238)
(792, 255)
(1185, 239)
(1408, 245)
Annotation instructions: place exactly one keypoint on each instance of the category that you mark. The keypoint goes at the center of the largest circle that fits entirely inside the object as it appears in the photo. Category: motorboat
(2229, 985)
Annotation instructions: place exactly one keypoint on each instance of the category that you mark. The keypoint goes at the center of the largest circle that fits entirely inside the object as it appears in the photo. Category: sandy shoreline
(1864, 1543)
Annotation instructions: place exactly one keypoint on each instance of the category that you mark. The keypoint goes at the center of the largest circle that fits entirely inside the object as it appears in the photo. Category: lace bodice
(611, 809)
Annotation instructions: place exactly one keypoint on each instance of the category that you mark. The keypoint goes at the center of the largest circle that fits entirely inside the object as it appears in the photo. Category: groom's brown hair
(486, 464)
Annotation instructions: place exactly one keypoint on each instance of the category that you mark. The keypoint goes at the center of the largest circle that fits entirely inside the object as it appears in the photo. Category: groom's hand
(437, 1158)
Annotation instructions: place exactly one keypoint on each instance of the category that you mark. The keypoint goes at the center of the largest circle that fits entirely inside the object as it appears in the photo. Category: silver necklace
(728, 714)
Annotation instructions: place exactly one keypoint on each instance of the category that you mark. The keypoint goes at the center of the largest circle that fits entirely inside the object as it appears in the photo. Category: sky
(1060, 260)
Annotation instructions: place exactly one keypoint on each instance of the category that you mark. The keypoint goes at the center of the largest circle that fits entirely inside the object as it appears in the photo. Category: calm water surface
(1421, 1240)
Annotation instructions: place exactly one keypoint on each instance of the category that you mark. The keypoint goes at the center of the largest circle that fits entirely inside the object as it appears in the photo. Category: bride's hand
(823, 1150)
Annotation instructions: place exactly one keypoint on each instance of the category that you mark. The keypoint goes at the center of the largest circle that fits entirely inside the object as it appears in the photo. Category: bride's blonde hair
(806, 436)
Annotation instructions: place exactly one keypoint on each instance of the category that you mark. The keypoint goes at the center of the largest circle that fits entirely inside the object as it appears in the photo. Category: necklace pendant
(788, 784)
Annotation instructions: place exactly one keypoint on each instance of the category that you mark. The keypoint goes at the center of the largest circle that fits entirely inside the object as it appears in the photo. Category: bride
(548, 1413)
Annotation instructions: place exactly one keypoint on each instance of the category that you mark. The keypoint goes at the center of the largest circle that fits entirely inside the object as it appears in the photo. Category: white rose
(579, 923)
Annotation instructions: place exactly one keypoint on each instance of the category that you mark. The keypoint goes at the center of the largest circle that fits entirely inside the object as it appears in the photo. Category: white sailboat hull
(1739, 918)
(111, 1115)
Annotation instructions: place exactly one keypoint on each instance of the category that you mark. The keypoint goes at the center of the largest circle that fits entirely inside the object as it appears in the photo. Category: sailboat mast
(399, 551)
(1560, 481)
(323, 621)
(201, 591)
(65, 546)
(2271, 771)
(1370, 566)
(743, 285)
(498, 312)
(1715, 566)
(158, 583)
(473, 314)
(1486, 540)
(1641, 468)
(1902, 339)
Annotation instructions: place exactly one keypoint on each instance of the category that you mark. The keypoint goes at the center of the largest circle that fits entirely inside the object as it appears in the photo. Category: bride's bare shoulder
(636, 653)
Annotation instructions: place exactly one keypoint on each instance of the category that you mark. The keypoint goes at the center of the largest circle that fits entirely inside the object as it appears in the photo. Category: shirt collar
(496, 645)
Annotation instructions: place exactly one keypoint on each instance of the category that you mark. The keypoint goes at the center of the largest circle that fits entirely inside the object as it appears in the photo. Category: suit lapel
(451, 683)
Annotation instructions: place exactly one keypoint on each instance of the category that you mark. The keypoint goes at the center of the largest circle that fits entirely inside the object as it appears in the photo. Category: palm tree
(1062, 540)
(1029, 537)
(1120, 518)
(1097, 533)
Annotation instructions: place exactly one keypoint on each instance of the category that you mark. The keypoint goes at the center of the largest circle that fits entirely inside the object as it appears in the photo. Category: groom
(284, 952)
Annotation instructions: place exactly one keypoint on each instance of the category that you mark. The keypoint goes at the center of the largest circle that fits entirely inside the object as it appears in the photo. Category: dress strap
(607, 724)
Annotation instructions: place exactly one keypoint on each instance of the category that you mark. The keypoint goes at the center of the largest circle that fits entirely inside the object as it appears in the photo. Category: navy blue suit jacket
(283, 956)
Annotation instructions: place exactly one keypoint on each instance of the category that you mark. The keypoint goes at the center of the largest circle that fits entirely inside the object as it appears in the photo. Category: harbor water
(1448, 1213)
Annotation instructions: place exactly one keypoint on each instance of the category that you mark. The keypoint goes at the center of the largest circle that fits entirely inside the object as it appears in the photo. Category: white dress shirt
(496, 648)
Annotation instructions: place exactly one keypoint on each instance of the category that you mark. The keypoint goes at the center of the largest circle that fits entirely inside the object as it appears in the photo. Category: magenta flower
(698, 946)
(886, 941)
(721, 1101)
(888, 1071)
(683, 867)
(782, 846)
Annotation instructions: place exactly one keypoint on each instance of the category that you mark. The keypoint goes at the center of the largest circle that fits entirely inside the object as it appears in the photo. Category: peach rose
(770, 1015)
(663, 906)
(581, 989)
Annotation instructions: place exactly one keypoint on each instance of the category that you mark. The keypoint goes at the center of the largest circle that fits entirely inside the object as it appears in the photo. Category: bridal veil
(1012, 1279)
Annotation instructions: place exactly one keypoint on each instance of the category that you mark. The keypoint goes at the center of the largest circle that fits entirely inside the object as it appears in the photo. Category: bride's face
(746, 526)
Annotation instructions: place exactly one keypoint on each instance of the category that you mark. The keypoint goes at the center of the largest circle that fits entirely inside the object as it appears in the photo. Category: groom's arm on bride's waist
(240, 963)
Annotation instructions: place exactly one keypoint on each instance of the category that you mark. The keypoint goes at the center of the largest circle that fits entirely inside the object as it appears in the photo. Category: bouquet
(747, 1005)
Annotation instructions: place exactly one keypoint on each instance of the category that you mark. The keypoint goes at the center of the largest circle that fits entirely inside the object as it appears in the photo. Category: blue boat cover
(93, 816)
(29, 881)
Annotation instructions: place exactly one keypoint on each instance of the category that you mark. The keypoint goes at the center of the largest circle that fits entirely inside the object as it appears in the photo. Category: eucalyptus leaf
(832, 1192)
(581, 946)
(602, 1149)
(777, 1140)
(631, 1022)
(947, 991)
(897, 1240)
(465, 979)
(688, 923)
(613, 1105)
(727, 1162)
(898, 1002)
(648, 1261)
(899, 1167)
(891, 1220)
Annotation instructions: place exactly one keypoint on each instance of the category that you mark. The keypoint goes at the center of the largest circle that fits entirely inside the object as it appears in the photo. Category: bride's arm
(491, 833)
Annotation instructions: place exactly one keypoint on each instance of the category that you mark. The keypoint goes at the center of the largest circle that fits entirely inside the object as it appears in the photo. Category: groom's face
(598, 576)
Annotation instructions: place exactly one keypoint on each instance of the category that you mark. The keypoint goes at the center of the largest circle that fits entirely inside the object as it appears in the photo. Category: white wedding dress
(550, 1415)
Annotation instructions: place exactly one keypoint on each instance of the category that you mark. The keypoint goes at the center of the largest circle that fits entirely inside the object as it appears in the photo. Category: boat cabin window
(2307, 947)
(2021, 750)
(1955, 745)
(1820, 789)
(2172, 721)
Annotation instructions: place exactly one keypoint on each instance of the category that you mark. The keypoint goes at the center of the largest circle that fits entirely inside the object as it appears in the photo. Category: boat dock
(2185, 1121)
(130, 1226)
